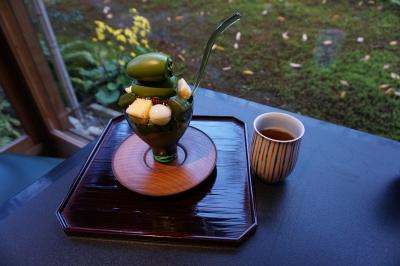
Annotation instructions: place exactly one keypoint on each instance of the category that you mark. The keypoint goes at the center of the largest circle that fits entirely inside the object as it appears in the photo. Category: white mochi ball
(160, 114)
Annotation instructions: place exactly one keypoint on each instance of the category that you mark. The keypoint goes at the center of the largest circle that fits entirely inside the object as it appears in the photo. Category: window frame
(31, 88)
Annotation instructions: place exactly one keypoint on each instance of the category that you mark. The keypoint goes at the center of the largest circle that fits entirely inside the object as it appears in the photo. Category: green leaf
(140, 50)
(106, 97)
(76, 46)
(110, 66)
(93, 74)
(122, 80)
(112, 86)
(83, 85)
(80, 59)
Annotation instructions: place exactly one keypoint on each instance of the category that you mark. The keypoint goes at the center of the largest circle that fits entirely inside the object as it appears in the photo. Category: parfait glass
(163, 140)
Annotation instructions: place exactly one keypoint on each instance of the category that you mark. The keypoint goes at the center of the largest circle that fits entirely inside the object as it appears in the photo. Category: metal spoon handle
(225, 24)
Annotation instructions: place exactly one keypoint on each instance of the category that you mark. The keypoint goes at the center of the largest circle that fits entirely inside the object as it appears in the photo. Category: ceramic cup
(272, 160)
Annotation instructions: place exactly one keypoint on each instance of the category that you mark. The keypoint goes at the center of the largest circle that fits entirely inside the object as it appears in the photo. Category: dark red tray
(219, 209)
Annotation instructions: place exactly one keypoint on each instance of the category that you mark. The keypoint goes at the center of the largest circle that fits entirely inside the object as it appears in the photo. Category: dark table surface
(340, 206)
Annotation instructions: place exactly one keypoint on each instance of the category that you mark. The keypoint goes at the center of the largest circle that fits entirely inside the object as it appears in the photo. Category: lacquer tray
(220, 209)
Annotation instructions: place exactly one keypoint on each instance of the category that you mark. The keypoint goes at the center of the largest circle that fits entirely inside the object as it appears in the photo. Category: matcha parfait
(158, 105)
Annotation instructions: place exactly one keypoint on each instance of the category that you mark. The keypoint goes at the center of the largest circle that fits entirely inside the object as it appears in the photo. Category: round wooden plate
(134, 167)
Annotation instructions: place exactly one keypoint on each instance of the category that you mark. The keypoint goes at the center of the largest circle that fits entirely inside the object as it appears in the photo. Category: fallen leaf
(281, 19)
(264, 12)
(285, 35)
(393, 43)
(238, 35)
(335, 17)
(327, 42)
(366, 58)
(344, 82)
(168, 19)
(360, 3)
(178, 18)
(226, 68)
(201, 13)
(248, 72)
(343, 94)
(295, 65)
(181, 57)
(371, 2)
(236, 45)
(386, 66)
(397, 93)
(304, 37)
(380, 7)
(395, 76)
(389, 91)
(360, 39)
(323, 2)
(109, 16)
(384, 86)
(217, 47)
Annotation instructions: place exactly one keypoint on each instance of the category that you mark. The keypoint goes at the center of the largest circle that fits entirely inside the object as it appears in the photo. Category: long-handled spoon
(225, 24)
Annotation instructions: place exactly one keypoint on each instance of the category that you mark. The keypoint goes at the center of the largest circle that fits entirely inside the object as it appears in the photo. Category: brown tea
(277, 134)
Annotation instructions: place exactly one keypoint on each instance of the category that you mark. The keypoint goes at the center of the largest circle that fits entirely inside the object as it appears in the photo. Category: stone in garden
(326, 52)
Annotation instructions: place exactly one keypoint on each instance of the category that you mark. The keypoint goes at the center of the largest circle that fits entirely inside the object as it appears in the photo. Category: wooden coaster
(135, 168)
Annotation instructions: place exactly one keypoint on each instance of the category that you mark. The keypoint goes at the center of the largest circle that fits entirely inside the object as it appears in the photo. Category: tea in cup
(275, 146)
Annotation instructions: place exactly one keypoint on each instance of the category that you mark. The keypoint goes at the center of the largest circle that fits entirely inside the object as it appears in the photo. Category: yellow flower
(132, 35)
(121, 62)
(117, 32)
(145, 43)
(133, 41)
(121, 38)
(109, 29)
(127, 32)
(101, 36)
(135, 29)
(100, 24)
(99, 31)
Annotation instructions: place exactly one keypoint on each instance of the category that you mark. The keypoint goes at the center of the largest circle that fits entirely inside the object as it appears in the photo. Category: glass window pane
(10, 126)
(334, 60)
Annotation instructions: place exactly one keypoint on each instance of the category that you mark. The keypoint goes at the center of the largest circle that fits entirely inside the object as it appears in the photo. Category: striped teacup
(272, 160)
